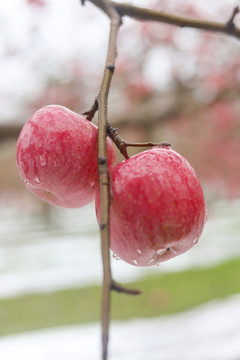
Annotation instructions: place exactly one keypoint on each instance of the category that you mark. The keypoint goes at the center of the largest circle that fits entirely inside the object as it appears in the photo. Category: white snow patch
(39, 254)
(209, 332)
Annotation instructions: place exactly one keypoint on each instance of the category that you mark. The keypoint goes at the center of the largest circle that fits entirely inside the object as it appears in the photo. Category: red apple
(57, 156)
(157, 207)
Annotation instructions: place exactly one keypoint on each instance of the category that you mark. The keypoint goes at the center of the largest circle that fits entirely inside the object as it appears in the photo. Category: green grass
(161, 294)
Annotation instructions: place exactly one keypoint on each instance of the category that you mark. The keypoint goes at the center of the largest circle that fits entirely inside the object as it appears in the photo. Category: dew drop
(195, 241)
(116, 257)
(139, 252)
(151, 261)
(37, 180)
(160, 251)
(135, 262)
(206, 215)
(43, 160)
(26, 181)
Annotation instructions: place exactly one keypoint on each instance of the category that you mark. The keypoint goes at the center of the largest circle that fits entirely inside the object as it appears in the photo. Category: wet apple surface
(57, 156)
(157, 207)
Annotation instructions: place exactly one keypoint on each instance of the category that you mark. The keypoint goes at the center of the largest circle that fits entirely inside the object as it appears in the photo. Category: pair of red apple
(157, 203)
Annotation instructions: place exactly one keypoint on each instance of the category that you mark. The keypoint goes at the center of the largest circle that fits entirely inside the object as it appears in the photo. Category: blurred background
(176, 85)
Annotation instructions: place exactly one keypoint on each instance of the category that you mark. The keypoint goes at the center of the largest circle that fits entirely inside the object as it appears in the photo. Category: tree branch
(153, 15)
(145, 14)
(104, 177)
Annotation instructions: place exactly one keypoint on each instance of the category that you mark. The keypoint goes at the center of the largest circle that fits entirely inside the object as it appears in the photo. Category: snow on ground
(39, 254)
(209, 332)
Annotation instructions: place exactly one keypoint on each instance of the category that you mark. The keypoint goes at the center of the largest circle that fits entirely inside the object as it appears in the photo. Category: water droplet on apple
(195, 241)
(160, 251)
(139, 252)
(206, 215)
(26, 181)
(43, 160)
(151, 261)
(37, 180)
(116, 257)
(135, 262)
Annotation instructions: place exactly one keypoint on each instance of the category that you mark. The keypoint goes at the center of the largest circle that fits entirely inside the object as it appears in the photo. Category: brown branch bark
(145, 14)
(104, 177)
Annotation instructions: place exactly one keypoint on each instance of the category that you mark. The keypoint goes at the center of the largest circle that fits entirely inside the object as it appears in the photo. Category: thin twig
(104, 178)
(145, 14)
(230, 24)
(122, 289)
(122, 145)
(90, 113)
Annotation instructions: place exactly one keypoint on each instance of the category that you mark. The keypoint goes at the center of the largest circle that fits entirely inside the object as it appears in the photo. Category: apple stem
(122, 145)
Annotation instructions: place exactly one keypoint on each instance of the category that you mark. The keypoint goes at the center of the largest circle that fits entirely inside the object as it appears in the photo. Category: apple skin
(157, 207)
(57, 157)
